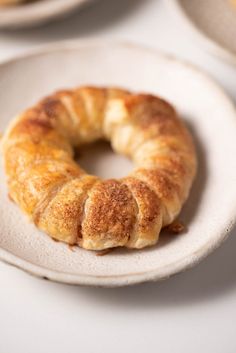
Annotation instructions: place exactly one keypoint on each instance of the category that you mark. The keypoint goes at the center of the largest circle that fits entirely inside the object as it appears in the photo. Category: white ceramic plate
(210, 211)
(36, 12)
(213, 22)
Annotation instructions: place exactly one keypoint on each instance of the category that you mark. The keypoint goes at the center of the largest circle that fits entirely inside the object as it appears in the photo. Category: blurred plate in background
(36, 12)
(213, 22)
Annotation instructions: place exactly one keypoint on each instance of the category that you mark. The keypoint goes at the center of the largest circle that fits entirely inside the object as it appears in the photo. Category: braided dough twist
(78, 208)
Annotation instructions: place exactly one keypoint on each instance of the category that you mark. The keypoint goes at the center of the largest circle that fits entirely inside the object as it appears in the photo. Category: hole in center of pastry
(99, 159)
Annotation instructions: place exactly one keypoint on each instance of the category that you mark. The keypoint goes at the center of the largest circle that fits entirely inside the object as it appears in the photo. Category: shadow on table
(213, 278)
(90, 20)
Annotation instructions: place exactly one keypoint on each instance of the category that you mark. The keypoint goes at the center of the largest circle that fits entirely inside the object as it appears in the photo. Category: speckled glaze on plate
(212, 22)
(34, 13)
(210, 211)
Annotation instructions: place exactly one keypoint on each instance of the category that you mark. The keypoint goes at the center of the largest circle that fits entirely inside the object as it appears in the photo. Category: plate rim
(133, 278)
(208, 43)
(9, 21)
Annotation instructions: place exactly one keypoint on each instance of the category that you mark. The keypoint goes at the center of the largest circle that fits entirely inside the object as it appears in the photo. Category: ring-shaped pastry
(77, 208)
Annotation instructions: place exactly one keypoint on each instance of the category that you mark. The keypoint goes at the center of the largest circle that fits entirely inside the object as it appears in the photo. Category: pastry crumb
(176, 227)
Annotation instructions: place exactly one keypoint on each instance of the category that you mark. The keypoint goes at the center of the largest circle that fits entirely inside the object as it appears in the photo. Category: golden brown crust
(77, 208)
(110, 215)
(65, 210)
(149, 217)
(166, 189)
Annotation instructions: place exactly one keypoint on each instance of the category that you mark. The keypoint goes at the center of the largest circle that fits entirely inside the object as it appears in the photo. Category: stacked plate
(212, 22)
(32, 13)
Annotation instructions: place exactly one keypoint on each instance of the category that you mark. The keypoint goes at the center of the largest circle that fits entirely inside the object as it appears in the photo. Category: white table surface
(193, 312)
